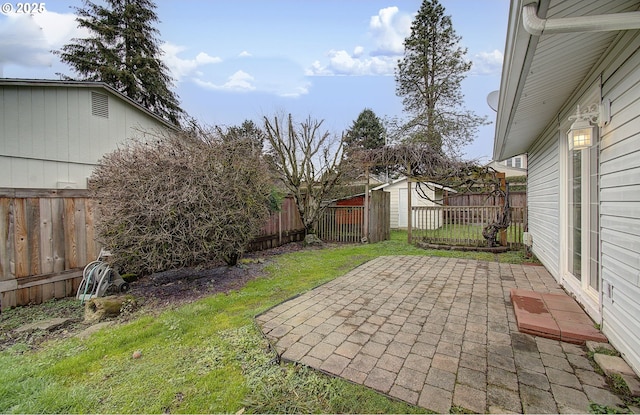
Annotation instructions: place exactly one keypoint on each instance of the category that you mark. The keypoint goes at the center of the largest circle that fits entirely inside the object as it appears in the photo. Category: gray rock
(48, 325)
(92, 329)
(312, 240)
(613, 364)
(594, 346)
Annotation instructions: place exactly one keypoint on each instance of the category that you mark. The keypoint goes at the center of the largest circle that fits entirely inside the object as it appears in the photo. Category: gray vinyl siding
(543, 201)
(620, 202)
(49, 136)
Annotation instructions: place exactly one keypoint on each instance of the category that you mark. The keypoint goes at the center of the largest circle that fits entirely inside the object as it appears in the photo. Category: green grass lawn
(203, 357)
(466, 233)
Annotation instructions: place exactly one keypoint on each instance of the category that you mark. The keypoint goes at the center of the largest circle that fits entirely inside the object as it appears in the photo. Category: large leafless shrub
(181, 200)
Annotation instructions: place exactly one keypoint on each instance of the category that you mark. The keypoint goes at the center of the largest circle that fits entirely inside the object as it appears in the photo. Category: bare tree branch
(308, 161)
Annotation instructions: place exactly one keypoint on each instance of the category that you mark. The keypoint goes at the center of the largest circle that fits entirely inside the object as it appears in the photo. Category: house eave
(541, 74)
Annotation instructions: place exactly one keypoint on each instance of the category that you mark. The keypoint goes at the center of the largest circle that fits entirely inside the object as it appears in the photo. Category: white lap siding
(543, 201)
(620, 201)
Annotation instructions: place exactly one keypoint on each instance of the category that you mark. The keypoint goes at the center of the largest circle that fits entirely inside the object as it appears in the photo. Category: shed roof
(404, 179)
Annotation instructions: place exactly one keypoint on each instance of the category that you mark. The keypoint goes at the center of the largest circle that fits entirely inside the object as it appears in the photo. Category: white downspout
(597, 23)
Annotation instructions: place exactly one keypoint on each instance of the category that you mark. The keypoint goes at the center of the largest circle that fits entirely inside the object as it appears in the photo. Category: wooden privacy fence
(48, 236)
(346, 223)
(282, 227)
(516, 199)
(341, 224)
(463, 225)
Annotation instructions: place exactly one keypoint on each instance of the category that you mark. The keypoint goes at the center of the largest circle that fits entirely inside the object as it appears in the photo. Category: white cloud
(487, 63)
(389, 28)
(244, 54)
(27, 40)
(265, 75)
(240, 81)
(297, 91)
(181, 68)
(59, 28)
(342, 63)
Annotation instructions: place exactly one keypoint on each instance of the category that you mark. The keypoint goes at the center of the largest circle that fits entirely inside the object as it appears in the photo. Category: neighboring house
(519, 162)
(399, 195)
(52, 133)
(514, 166)
(583, 204)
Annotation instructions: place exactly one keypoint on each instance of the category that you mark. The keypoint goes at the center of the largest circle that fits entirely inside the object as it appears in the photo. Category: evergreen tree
(429, 77)
(366, 132)
(123, 51)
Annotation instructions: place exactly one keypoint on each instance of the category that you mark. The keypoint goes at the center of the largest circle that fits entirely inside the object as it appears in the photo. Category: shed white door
(402, 208)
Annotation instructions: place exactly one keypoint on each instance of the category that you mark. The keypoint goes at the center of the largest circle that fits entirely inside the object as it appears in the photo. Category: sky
(236, 60)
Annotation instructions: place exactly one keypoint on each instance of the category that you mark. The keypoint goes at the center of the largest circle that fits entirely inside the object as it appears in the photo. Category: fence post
(503, 187)
(409, 207)
(365, 227)
(280, 227)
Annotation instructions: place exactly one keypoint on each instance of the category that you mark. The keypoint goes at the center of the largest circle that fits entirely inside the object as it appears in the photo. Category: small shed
(399, 197)
(352, 211)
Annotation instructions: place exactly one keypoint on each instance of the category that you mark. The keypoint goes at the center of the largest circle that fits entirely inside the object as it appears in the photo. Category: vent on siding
(99, 105)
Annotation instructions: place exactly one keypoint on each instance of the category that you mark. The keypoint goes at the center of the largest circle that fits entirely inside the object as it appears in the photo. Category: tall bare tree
(307, 160)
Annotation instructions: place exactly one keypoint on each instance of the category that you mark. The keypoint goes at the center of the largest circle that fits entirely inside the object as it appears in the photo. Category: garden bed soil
(152, 294)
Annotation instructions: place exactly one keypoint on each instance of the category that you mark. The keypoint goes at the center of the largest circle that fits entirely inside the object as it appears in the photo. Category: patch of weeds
(620, 388)
(129, 305)
(517, 257)
(607, 351)
(292, 388)
(455, 409)
(618, 385)
(595, 408)
(15, 317)
(600, 350)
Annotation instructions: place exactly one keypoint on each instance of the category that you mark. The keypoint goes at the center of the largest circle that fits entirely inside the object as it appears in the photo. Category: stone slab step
(554, 316)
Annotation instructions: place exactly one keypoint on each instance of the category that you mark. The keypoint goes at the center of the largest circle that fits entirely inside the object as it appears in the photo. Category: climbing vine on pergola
(421, 164)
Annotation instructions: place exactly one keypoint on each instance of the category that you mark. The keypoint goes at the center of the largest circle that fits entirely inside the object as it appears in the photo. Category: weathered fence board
(282, 227)
(341, 224)
(516, 199)
(379, 216)
(346, 223)
(5, 220)
(48, 236)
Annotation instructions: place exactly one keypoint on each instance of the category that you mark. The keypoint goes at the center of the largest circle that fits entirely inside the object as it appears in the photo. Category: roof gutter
(596, 23)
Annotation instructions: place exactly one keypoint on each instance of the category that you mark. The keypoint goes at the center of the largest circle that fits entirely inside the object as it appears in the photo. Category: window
(99, 105)
(514, 162)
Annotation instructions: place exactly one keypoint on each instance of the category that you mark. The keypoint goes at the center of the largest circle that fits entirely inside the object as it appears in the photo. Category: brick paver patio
(438, 333)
